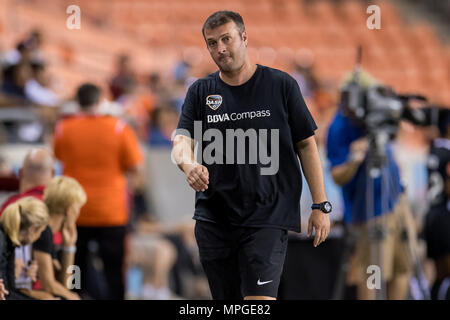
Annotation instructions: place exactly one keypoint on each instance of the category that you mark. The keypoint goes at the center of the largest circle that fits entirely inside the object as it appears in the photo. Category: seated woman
(21, 223)
(64, 197)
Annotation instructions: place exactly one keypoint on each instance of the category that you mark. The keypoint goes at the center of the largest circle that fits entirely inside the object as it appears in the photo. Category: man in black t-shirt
(250, 124)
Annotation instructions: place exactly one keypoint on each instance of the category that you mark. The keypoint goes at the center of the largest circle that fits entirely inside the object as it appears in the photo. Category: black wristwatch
(325, 207)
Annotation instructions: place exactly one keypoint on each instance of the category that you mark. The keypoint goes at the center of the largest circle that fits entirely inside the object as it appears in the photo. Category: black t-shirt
(249, 189)
(45, 242)
(437, 163)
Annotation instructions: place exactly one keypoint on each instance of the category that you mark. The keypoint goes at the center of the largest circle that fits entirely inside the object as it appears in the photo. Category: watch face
(327, 207)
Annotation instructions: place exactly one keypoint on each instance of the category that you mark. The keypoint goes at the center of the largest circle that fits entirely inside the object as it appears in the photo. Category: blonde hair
(61, 192)
(23, 214)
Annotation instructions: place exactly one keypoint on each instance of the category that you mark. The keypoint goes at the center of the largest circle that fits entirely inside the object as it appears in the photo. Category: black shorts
(241, 261)
(437, 235)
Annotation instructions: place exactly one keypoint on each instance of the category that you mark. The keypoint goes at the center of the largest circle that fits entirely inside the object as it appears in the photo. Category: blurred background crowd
(142, 55)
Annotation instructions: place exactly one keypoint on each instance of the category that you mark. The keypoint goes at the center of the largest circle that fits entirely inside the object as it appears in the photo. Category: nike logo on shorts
(260, 283)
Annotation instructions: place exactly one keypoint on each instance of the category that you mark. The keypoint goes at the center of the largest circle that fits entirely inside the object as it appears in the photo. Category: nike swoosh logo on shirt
(260, 283)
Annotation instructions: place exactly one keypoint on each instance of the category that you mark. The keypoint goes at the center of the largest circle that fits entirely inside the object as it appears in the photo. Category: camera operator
(348, 146)
(437, 220)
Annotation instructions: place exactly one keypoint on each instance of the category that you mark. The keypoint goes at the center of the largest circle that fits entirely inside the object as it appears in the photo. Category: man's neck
(238, 77)
(25, 186)
(90, 112)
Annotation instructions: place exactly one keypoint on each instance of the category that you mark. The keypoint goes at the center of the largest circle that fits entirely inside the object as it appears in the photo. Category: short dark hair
(88, 95)
(222, 17)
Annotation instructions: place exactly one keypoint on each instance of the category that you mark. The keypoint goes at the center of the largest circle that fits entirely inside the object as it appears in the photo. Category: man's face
(227, 46)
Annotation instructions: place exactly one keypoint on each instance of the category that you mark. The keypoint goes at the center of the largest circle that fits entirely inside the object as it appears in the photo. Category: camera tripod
(376, 166)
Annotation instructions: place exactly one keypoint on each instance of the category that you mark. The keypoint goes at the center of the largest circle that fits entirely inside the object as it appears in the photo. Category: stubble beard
(227, 68)
(230, 68)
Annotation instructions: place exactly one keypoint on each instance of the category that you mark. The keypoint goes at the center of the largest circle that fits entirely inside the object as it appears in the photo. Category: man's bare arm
(197, 175)
(312, 169)
(183, 151)
(345, 172)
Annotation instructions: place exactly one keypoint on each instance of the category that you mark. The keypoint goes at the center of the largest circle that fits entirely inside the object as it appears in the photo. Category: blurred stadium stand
(162, 194)
(409, 57)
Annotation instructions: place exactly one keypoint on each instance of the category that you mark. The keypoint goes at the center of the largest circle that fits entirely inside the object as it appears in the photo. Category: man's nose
(221, 48)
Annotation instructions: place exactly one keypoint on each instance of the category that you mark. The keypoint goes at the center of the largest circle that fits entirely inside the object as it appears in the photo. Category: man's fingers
(324, 235)
(204, 179)
(196, 184)
(203, 175)
(323, 231)
(198, 178)
(328, 232)
(317, 237)
(205, 172)
(192, 183)
(203, 183)
(310, 227)
(200, 186)
(200, 172)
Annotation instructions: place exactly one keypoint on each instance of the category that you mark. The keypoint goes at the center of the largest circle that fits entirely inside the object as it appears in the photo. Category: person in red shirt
(99, 151)
(36, 172)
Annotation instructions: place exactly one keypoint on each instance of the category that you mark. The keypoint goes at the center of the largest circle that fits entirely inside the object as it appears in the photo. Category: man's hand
(197, 176)
(33, 270)
(321, 223)
(345, 172)
(358, 149)
(3, 291)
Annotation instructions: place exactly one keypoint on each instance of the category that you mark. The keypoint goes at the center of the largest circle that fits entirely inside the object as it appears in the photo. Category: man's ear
(245, 38)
